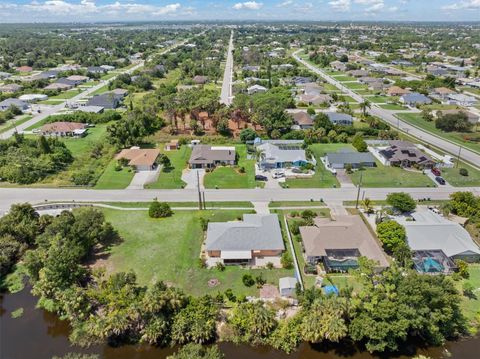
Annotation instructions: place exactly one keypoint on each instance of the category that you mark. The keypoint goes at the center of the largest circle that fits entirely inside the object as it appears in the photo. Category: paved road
(226, 93)
(389, 117)
(8, 196)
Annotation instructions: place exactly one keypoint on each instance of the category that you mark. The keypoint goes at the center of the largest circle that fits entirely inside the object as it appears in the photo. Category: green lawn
(66, 95)
(100, 90)
(172, 178)
(230, 177)
(234, 204)
(456, 137)
(277, 204)
(393, 107)
(344, 78)
(168, 249)
(108, 76)
(330, 87)
(348, 99)
(378, 99)
(15, 122)
(389, 176)
(453, 177)
(439, 106)
(89, 84)
(81, 145)
(355, 86)
(52, 102)
(112, 179)
(471, 306)
(322, 178)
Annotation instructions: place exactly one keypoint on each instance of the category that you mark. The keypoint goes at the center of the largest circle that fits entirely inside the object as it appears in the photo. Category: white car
(278, 175)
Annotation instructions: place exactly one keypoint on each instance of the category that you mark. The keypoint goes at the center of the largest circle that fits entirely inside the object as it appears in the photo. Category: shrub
(204, 223)
(248, 280)
(463, 172)
(159, 210)
(308, 214)
(241, 169)
(260, 281)
(462, 268)
(230, 296)
(293, 214)
(202, 263)
(287, 261)
(401, 201)
(269, 265)
(220, 266)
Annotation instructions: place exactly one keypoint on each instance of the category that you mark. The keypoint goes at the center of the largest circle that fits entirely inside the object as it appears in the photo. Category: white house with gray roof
(255, 241)
(430, 231)
(280, 153)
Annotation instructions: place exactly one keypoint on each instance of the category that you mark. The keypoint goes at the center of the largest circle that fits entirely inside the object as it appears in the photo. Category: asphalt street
(226, 93)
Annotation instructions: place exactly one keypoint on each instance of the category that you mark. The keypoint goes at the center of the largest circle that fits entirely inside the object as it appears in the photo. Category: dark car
(436, 171)
(261, 178)
(440, 180)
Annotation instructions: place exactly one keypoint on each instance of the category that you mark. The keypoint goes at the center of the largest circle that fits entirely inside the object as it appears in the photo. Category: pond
(41, 335)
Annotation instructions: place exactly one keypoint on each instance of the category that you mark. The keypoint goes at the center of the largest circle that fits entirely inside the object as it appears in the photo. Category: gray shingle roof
(255, 232)
(350, 157)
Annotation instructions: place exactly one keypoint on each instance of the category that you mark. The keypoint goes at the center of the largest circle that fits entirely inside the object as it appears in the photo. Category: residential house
(314, 99)
(107, 100)
(142, 159)
(96, 70)
(301, 80)
(67, 81)
(339, 243)
(251, 68)
(338, 118)
(200, 80)
(405, 154)
(397, 91)
(58, 86)
(415, 99)
(77, 78)
(255, 241)
(431, 231)
(206, 156)
(256, 89)
(4, 75)
(10, 88)
(64, 129)
(441, 93)
(461, 100)
(24, 69)
(358, 73)
(342, 159)
(6, 104)
(280, 153)
(91, 109)
(338, 66)
(302, 120)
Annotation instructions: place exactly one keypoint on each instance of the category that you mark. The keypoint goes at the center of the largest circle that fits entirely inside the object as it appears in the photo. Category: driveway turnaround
(141, 178)
(190, 177)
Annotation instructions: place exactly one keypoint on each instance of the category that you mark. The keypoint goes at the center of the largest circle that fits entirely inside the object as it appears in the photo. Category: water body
(41, 335)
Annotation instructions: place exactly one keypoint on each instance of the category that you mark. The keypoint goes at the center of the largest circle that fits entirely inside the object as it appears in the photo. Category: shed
(287, 286)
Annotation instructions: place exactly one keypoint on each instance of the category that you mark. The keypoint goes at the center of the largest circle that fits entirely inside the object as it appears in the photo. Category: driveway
(272, 183)
(344, 179)
(432, 177)
(141, 178)
(189, 176)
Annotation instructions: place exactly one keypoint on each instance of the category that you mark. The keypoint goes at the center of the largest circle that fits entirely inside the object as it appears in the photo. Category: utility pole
(204, 203)
(358, 192)
(458, 157)
(199, 193)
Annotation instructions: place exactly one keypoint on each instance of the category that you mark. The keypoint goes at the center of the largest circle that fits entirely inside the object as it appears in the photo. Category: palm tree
(364, 105)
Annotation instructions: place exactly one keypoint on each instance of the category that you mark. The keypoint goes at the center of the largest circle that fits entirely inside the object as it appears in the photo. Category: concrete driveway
(344, 179)
(189, 176)
(141, 178)
(272, 183)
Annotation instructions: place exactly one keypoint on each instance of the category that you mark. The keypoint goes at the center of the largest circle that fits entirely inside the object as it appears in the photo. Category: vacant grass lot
(322, 178)
(355, 86)
(100, 90)
(378, 99)
(168, 249)
(389, 176)
(453, 176)
(392, 107)
(230, 177)
(344, 78)
(172, 178)
(66, 95)
(471, 306)
(456, 137)
(112, 179)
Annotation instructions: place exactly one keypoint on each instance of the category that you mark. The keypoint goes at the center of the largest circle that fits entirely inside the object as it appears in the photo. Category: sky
(28, 11)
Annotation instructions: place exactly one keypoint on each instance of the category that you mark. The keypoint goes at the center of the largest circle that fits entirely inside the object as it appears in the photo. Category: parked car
(440, 180)
(278, 175)
(436, 171)
(261, 178)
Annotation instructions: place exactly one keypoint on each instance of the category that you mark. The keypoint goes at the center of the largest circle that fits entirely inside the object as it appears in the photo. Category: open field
(168, 249)
(456, 137)
(100, 90)
(277, 204)
(172, 178)
(108, 76)
(209, 204)
(392, 107)
(389, 176)
(15, 122)
(322, 178)
(66, 95)
(471, 306)
(453, 176)
(230, 177)
(344, 78)
(378, 99)
(112, 179)
(355, 86)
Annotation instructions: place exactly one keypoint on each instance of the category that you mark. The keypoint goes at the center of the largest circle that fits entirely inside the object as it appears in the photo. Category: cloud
(340, 5)
(89, 7)
(248, 5)
(463, 5)
(372, 5)
(285, 3)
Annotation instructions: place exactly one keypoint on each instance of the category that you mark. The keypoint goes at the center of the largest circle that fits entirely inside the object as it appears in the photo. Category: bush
(220, 266)
(287, 261)
(293, 214)
(260, 281)
(204, 223)
(462, 268)
(159, 210)
(248, 280)
(241, 169)
(269, 265)
(308, 214)
(401, 201)
(230, 296)
(463, 172)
